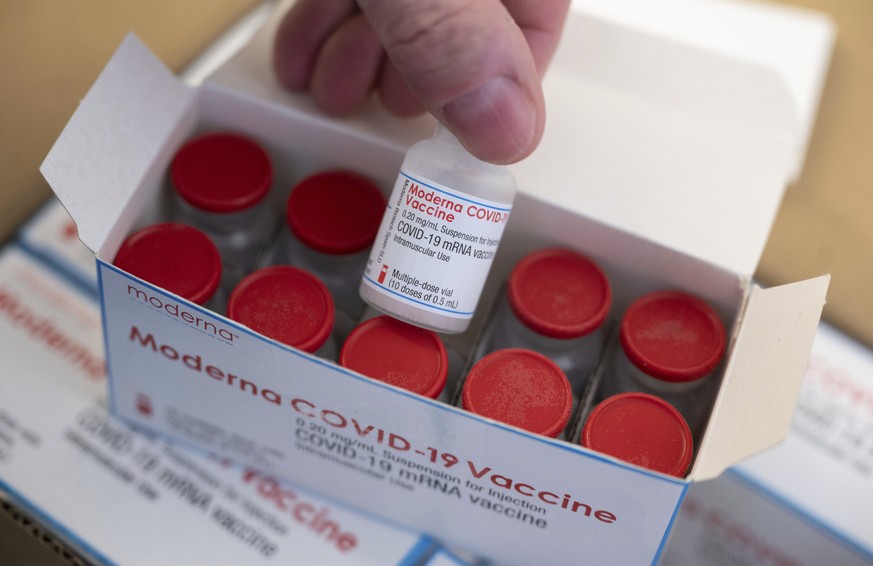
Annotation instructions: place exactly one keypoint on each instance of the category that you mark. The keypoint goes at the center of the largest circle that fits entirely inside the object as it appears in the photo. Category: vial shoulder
(450, 165)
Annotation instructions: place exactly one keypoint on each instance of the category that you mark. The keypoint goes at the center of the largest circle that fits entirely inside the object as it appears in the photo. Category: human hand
(474, 64)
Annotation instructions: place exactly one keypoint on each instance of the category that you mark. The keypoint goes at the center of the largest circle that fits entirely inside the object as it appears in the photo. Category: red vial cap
(175, 257)
(641, 429)
(284, 303)
(399, 354)
(222, 172)
(519, 387)
(336, 212)
(672, 336)
(559, 293)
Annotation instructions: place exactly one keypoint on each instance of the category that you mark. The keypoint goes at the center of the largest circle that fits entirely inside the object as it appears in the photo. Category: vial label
(435, 246)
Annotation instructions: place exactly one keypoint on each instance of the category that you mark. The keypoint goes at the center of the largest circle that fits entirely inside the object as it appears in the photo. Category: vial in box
(522, 388)
(641, 429)
(289, 305)
(670, 344)
(221, 182)
(175, 257)
(439, 234)
(332, 218)
(399, 354)
(557, 301)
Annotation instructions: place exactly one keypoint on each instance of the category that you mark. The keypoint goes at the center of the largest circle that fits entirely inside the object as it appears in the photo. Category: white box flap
(761, 383)
(687, 147)
(102, 156)
(795, 42)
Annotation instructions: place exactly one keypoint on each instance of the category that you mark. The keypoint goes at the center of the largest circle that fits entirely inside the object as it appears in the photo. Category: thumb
(469, 64)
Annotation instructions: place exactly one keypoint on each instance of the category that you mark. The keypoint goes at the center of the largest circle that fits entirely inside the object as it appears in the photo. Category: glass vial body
(438, 237)
(522, 388)
(557, 301)
(178, 258)
(286, 304)
(221, 181)
(332, 218)
(641, 429)
(670, 344)
(397, 353)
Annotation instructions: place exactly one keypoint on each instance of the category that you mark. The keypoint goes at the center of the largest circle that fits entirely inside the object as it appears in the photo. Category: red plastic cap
(336, 212)
(222, 172)
(284, 303)
(641, 429)
(175, 257)
(521, 388)
(559, 293)
(672, 336)
(399, 354)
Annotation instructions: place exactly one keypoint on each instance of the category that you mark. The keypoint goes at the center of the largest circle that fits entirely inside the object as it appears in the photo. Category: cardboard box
(667, 169)
(116, 495)
(806, 501)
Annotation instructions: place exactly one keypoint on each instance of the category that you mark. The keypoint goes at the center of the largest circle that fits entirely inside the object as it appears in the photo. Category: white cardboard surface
(794, 42)
(126, 498)
(106, 169)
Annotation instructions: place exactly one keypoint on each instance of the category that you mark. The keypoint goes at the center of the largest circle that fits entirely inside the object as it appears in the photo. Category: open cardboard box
(663, 161)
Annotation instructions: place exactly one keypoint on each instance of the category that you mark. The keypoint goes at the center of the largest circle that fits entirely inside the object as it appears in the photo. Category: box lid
(671, 139)
(702, 138)
(762, 380)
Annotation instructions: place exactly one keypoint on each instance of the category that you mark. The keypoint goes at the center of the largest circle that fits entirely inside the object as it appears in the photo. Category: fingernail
(496, 122)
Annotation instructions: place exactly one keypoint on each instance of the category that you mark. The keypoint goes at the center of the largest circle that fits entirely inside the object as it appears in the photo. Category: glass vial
(670, 344)
(521, 388)
(286, 304)
(332, 219)
(178, 258)
(439, 234)
(399, 354)
(221, 182)
(556, 303)
(640, 429)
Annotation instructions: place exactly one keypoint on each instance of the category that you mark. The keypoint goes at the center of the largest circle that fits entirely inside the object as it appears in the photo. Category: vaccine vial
(439, 234)
(670, 342)
(640, 429)
(178, 258)
(397, 353)
(286, 304)
(332, 219)
(557, 301)
(522, 388)
(221, 182)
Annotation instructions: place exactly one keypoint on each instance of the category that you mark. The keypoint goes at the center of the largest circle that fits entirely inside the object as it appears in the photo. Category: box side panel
(106, 149)
(824, 469)
(175, 368)
(730, 520)
(762, 379)
(111, 491)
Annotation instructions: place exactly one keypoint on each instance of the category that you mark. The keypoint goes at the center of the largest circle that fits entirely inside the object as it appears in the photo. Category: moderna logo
(179, 312)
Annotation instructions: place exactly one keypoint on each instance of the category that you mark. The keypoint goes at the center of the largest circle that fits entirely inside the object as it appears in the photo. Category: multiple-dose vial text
(553, 358)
